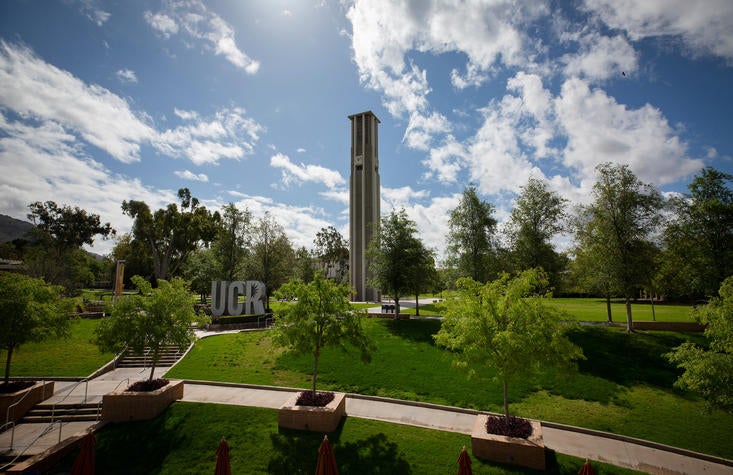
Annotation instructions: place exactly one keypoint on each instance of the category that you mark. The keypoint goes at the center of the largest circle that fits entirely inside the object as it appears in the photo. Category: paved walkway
(616, 450)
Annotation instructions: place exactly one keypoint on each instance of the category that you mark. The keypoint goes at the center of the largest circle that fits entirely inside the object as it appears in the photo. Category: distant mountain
(11, 228)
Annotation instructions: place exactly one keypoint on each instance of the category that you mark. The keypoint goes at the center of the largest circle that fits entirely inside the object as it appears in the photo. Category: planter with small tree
(321, 317)
(148, 321)
(506, 325)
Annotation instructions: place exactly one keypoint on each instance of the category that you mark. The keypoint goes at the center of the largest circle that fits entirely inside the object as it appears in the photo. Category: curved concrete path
(610, 448)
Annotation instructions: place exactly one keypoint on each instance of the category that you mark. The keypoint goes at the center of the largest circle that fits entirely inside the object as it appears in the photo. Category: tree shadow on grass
(296, 452)
(150, 452)
(625, 359)
(418, 331)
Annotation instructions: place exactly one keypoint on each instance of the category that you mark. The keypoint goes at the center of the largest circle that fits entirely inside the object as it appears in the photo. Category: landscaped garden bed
(527, 450)
(25, 394)
(304, 412)
(137, 403)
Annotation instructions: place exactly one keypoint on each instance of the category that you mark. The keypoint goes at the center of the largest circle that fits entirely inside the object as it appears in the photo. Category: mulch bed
(517, 427)
(147, 385)
(14, 386)
(308, 398)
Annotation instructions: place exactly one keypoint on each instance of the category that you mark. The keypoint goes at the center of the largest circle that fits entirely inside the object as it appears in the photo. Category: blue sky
(247, 101)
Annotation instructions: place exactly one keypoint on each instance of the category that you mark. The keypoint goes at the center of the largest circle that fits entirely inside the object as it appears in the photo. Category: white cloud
(341, 196)
(35, 89)
(162, 23)
(301, 150)
(705, 27)
(599, 129)
(301, 223)
(94, 13)
(44, 162)
(189, 175)
(228, 134)
(199, 22)
(601, 57)
(126, 75)
(293, 173)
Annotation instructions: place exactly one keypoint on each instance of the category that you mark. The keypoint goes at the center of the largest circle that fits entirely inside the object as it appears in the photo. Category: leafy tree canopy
(333, 252)
(321, 317)
(172, 233)
(151, 319)
(66, 226)
(710, 371)
(30, 310)
(471, 236)
(506, 326)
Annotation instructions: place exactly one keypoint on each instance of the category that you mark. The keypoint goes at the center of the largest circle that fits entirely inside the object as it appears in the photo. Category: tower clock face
(358, 160)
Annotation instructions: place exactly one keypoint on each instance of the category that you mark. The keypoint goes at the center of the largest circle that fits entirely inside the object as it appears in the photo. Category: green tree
(710, 372)
(615, 229)
(233, 241)
(332, 250)
(305, 265)
(172, 233)
(505, 325)
(424, 275)
(30, 310)
(151, 319)
(537, 217)
(201, 269)
(60, 232)
(271, 260)
(698, 240)
(394, 255)
(137, 255)
(320, 318)
(471, 245)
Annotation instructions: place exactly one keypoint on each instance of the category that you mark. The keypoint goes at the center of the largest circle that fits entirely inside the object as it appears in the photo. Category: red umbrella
(222, 459)
(464, 463)
(586, 469)
(84, 462)
(326, 459)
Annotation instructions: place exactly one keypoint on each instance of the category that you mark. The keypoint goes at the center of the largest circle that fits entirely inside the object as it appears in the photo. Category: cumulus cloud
(91, 10)
(33, 88)
(228, 134)
(294, 173)
(44, 162)
(601, 57)
(197, 21)
(126, 75)
(189, 175)
(704, 27)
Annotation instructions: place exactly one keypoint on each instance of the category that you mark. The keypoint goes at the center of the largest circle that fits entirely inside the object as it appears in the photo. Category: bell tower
(364, 201)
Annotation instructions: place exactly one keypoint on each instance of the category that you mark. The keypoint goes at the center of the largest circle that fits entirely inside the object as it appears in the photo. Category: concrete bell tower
(364, 201)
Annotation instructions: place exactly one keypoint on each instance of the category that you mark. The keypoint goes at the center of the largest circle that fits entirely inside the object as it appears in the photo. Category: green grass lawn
(76, 356)
(594, 310)
(625, 385)
(184, 440)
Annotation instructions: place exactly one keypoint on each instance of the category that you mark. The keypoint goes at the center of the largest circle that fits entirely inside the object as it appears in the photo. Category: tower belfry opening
(364, 201)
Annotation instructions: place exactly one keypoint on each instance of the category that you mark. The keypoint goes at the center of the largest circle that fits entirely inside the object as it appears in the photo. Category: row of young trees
(628, 239)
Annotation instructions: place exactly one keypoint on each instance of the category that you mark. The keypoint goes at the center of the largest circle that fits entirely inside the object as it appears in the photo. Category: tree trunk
(629, 322)
(417, 305)
(608, 308)
(397, 307)
(7, 365)
(654, 312)
(315, 371)
(506, 401)
(152, 365)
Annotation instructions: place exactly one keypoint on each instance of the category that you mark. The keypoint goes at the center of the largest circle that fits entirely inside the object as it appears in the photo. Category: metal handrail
(44, 432)
(86, 392)
(7, 413)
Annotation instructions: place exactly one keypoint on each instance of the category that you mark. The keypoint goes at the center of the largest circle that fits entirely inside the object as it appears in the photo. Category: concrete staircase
(47, 413)
(169, 355)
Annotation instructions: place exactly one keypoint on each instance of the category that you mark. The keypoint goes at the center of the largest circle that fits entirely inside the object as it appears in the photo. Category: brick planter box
(316, 419)
(122, 405)
(528, 453)
(39, 392)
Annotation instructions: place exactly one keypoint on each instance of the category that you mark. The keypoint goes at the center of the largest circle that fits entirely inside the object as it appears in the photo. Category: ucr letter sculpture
(225, 298)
